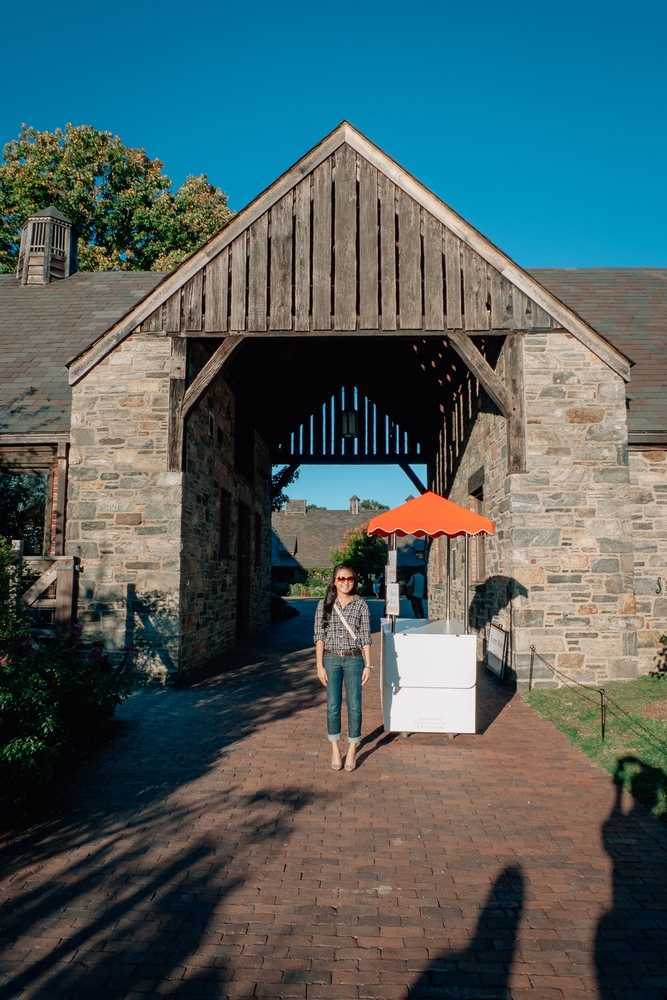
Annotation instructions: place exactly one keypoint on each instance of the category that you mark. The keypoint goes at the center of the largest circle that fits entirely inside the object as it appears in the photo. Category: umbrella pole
(448, 582)
(466, 594)
(393, 547)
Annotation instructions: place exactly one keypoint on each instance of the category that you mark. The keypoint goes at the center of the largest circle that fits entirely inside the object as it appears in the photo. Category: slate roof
(628, 307)
(44, 326)
(305, 539)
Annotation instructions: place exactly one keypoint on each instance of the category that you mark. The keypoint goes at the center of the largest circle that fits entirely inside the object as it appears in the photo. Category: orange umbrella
(432, 515)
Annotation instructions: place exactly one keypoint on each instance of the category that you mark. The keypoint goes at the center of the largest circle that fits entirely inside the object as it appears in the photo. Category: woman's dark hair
(330, 597)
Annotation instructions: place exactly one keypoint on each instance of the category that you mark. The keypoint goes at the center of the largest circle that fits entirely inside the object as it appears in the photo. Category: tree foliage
(280, 480)
(53, 697)
(121, 204)
(22, 508)
(372, 505)
(365, 554)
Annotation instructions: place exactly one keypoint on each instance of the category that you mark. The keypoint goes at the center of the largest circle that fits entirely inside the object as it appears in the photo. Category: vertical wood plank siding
(387, 199)
(281, 263)
(453, 272)
(172, 313)
(257, 265)
(346, 249)
(238, 283)
(433, 275)
(368, 246)
(192, 301)
(409, 263)
(302, 256)
(217, 284)
(345, 240)
(322, 246)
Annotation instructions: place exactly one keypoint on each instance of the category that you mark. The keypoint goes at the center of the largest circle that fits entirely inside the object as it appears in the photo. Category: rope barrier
(605, 700)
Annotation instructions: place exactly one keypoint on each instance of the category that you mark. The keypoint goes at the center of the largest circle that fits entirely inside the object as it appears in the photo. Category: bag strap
(347, 626)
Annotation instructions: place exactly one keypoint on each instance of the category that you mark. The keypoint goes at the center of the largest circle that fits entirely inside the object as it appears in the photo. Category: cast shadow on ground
(134, 923)
(631, 940)
(483, 968)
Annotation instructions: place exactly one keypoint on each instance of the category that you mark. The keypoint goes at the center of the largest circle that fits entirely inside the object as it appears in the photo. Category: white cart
(428, 677)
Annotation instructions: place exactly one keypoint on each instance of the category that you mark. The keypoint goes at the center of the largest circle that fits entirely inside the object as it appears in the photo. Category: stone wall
(124, 508)
(209, 584)
(483, 463)
(564, 530)
(648, 490)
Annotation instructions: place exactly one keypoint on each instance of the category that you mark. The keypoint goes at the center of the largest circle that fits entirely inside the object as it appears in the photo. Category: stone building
(345, 316)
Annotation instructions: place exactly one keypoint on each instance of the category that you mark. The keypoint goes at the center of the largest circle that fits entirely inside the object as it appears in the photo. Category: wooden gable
(346, 249)
(348, 242)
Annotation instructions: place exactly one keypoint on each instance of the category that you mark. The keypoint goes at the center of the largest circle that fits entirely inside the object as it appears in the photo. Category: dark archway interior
(420, 383)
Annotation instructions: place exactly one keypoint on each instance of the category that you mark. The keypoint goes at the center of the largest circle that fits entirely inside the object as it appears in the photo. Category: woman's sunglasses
(344, 579)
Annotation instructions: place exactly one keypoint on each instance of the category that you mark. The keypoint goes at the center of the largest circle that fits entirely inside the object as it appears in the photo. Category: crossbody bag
(350, 630)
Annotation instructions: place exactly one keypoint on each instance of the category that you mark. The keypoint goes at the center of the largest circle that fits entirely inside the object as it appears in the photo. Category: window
(225, 524)
(258, 540)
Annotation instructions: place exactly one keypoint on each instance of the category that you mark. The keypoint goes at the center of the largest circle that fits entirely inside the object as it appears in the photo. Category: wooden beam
(482, 370)
(212, 367)
(516, 435)
(508, 396)
(61, 498)
(177, 376)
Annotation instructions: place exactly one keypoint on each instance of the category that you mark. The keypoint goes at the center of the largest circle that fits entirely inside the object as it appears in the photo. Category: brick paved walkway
(212, 852)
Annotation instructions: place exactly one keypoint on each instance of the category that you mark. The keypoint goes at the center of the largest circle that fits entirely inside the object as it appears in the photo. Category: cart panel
(416, 710)
(431, 661)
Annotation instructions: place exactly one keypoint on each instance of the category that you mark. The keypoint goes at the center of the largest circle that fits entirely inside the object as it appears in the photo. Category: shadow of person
(631, 940)
(491, 597)
(483, 969)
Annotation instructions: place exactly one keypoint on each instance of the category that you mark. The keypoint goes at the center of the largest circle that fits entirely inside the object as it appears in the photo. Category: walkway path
(213, 853)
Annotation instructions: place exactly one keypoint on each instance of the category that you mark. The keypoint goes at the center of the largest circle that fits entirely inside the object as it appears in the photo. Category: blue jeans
(348, 669)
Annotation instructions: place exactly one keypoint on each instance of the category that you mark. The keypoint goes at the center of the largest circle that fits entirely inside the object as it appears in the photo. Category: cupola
(48, 248)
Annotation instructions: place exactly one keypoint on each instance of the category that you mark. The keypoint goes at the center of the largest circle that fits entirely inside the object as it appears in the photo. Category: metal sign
(496, 650)
(390, 574)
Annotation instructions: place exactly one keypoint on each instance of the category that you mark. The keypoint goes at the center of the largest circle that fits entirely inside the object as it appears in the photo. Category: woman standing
(343, 654)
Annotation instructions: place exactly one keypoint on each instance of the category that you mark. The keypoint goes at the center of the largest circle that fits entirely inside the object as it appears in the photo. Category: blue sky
(541, 123)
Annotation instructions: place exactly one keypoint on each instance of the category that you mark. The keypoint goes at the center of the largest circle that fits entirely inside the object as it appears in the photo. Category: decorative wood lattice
(349, 428)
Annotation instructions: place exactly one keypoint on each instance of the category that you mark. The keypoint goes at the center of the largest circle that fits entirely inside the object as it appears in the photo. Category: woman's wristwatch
(368, 666)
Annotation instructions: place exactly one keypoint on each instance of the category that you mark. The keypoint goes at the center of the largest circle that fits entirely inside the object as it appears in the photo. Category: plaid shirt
(336, 637)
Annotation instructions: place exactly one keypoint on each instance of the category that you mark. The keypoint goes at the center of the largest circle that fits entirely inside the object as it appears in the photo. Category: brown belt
(343, 652)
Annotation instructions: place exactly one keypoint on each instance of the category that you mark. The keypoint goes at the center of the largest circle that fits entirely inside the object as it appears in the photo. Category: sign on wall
(496, 650)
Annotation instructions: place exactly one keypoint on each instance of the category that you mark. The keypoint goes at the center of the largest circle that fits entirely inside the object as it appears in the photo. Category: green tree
(22, 508)
(365, 554)
(314, 506)
(121, 204)
(372, 505)
(280, 480)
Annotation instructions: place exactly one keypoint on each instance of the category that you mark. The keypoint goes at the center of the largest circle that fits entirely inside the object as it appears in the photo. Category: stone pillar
(124, 508)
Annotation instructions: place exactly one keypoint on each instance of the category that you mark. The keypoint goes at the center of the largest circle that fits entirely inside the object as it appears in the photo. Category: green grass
(634, 749)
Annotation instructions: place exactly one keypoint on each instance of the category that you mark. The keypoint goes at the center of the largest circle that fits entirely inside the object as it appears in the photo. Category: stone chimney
(48, 248)
(354, 505)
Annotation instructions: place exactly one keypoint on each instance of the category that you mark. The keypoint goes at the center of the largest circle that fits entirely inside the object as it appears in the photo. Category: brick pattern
(124, 508)
(210, 851)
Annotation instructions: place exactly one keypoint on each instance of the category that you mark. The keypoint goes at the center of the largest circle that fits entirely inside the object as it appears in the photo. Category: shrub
(53, 696)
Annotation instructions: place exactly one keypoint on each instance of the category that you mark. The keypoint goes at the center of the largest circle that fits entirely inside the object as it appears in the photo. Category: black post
(603, 712)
